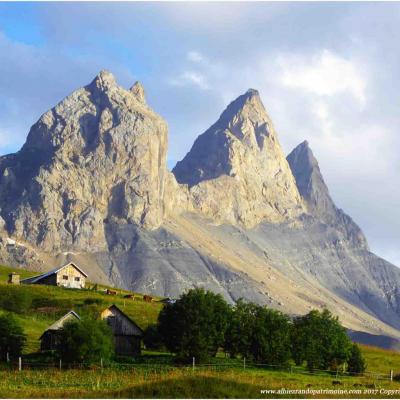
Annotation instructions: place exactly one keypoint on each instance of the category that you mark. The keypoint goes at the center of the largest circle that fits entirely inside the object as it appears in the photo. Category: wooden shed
(50, 337)
(69, 275)
(127, 334)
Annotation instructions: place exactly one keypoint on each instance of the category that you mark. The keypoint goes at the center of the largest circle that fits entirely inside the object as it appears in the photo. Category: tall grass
(175, 383)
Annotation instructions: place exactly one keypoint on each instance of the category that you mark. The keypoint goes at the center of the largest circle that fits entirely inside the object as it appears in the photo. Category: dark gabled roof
(60, 323)
(126, 316)
(37, 278)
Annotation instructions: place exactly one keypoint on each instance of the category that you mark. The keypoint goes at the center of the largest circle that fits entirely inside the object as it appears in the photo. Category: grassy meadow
(183, 383)
(153, 375)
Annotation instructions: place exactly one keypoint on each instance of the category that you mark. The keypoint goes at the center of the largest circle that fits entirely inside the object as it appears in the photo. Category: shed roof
(60, 323)
(37, 278)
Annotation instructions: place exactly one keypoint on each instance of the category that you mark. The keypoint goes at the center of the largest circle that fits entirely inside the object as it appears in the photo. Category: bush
(51, 302)
(320, 340)
(91, 300)
(258, 333)
(12, 337)
(195, 325)
(356, 362)
(86, 341)
(15, 299)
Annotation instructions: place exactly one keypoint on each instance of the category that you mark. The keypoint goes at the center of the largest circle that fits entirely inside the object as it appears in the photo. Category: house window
(65, 277)
(77, 279)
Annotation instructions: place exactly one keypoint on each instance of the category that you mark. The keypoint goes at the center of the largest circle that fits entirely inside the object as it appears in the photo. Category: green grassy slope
(38, 306)
(380, 360)
(45, 304)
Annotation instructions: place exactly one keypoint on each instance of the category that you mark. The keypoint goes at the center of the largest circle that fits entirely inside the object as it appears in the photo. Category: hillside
(154, 374)
(38, 306)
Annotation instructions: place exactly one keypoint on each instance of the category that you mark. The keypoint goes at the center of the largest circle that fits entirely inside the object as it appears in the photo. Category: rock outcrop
(236, 170)
(98, 157)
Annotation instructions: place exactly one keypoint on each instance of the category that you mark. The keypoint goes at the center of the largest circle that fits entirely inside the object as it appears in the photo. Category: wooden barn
(69, 275)
(50, 337)
(127, 334)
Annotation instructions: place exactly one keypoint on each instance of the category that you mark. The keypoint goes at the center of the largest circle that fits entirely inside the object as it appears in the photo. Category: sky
(326, 72)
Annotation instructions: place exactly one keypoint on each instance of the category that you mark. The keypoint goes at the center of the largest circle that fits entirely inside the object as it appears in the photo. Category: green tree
(356, 362)
(86, 341)
(195, 325)
(319, 339)
(238, 335)
(152, 338)
(12, 337)
(258, 333)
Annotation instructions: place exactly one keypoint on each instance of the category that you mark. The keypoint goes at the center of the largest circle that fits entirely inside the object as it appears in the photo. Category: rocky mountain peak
(241, 155)
(246, 119)
(104, 80)
(98, 157)
(313, 189)
(138, 91)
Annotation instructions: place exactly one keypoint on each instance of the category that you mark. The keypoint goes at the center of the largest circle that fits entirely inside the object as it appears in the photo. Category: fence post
(19, 364)
(391, 375)
(60, 364)
(244, 362)
(8, 357)
(193, 363)
(101, 363)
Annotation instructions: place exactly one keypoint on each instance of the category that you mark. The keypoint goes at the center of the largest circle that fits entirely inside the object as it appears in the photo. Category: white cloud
(324, 74)
(195, 56)
(191, 78)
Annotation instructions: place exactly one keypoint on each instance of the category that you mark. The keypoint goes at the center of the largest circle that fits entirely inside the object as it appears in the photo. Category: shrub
(356, 362)
(12, 337)
(92, 300)
(86, 341)
(195, 325)
(320, 340)
(51, 302)
(15, 299)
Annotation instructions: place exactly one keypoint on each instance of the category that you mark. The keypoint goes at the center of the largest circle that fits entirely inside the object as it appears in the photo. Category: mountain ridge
(235, 215)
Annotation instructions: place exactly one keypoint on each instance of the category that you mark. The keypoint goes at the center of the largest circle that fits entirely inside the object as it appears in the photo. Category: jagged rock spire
(315, 193)
(244, 124)
(138, 91)
(104, 80)
(237, 170)
(310, 182)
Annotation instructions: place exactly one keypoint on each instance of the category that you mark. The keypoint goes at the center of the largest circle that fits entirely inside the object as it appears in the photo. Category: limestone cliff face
(97, 157)
(236, 170)
(316, 195)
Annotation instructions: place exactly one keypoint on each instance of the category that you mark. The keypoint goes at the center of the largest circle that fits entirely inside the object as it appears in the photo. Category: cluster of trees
(88, 340)
(201, 322)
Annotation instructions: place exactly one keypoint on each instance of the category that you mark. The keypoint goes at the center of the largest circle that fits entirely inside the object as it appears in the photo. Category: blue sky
(327, 72)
